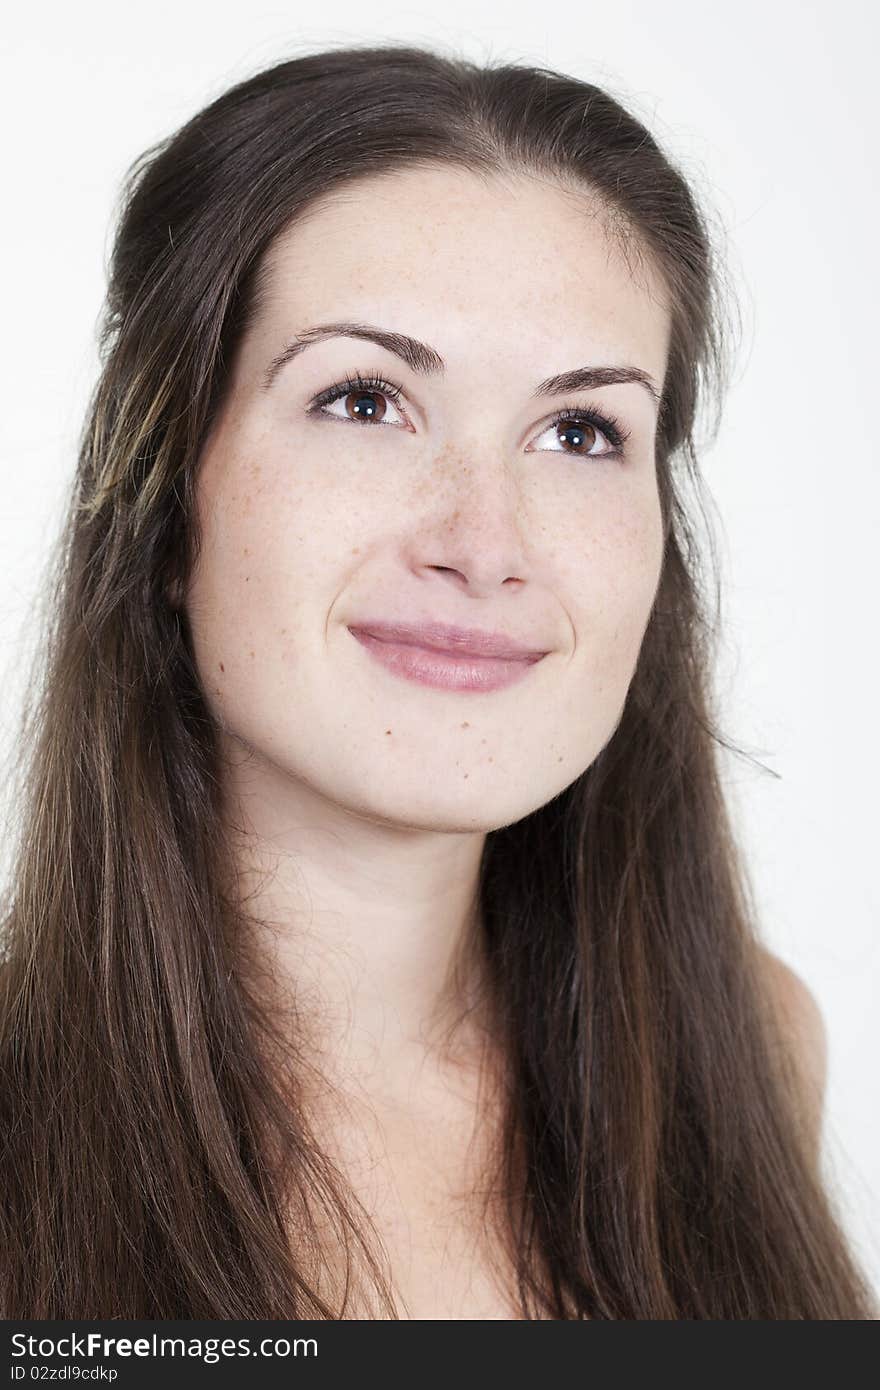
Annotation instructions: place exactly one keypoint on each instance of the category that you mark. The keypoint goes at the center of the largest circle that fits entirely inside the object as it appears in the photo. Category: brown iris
(365, 404)
(584, 432)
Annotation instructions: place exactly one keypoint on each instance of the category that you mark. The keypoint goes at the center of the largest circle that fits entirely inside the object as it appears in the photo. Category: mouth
(444, 669)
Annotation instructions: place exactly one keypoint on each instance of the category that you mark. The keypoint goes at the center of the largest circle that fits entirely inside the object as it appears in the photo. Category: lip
(442, 668)
(454, 641)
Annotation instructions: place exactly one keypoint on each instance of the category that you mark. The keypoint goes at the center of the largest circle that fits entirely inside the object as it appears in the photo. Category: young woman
(377, 944)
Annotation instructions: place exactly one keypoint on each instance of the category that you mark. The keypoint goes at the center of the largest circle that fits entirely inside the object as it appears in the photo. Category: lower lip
(445, 670)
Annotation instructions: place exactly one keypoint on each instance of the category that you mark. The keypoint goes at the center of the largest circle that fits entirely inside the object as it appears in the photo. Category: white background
(771, 110)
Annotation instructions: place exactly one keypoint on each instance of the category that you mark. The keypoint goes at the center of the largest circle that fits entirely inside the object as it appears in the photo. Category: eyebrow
(426, 361)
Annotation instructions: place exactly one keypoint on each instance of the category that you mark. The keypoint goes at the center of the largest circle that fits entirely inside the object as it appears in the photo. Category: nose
(475, 537)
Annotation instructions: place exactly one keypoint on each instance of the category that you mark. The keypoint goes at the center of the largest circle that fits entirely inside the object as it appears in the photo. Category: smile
(447, 670)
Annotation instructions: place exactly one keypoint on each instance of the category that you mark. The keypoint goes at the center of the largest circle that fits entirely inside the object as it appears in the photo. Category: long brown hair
(152, 1146)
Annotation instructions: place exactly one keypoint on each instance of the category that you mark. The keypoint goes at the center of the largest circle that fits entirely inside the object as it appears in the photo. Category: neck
(371, 931)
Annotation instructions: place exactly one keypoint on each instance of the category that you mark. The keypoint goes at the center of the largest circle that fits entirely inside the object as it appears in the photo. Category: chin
(465, 808)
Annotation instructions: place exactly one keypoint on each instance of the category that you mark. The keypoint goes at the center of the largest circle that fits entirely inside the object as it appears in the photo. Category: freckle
(491, 759)
(465, 725)
(355, 550)
(222, 667)
(466, 776)
(559, 759)
(246, 551)
(283, 630)
(251, 653)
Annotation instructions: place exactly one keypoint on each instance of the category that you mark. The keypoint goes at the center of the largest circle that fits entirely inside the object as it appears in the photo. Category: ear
(174, 593)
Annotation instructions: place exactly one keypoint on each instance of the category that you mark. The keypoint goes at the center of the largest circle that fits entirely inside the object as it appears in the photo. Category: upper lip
(445, 637)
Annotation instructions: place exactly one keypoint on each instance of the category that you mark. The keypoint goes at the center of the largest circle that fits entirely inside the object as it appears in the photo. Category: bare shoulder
(803, 1024)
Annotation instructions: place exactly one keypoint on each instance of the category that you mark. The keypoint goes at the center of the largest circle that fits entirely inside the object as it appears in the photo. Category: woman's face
(458, 502)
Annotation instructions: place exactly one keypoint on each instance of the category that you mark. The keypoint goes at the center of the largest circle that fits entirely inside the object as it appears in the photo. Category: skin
(360, 802)
(805, 1034)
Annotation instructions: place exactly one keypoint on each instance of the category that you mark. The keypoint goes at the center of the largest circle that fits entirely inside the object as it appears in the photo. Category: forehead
(514, 266)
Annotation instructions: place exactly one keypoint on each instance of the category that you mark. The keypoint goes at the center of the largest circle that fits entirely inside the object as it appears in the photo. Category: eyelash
(615, 433)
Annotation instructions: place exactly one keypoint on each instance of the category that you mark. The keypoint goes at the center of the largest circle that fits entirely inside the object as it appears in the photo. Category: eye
(585, 428)
(361, 400)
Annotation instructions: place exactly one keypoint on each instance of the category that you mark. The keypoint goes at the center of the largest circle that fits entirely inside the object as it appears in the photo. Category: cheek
(624, 569)
(276, 529)
(269, 567)
(612, 582)
(283, 524)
